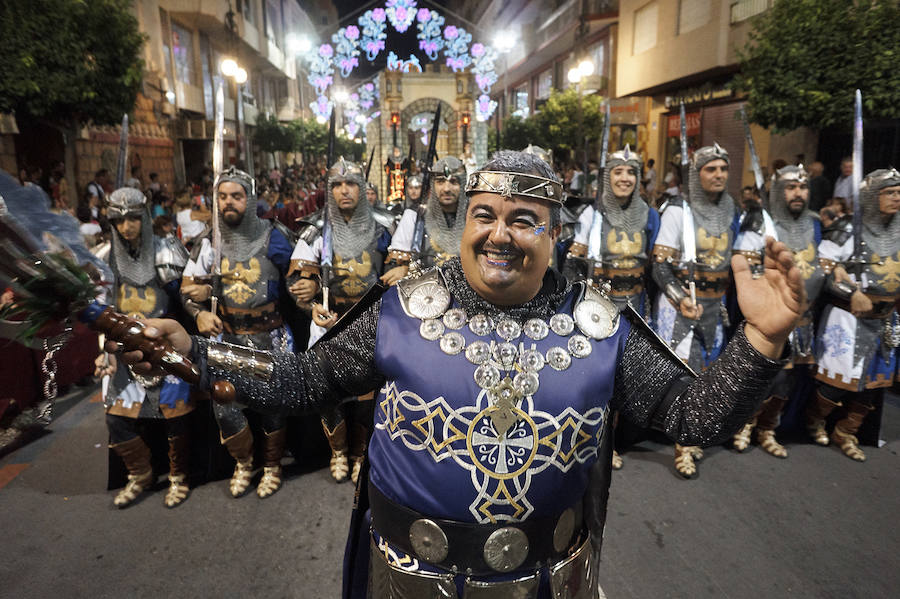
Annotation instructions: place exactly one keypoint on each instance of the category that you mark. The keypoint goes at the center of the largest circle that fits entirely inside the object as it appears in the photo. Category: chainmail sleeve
(285, 383)
(653, 389)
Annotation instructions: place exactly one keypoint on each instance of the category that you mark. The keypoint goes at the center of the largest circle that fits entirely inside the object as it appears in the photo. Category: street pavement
(816, 525)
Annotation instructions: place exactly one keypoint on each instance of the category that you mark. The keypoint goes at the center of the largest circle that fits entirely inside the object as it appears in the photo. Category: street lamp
(576, 75)
(230, 68)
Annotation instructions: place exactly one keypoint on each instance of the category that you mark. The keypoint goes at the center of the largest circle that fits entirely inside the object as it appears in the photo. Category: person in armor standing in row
(255, 256)
(431, 236)
(706, 224)
(147, 272)
(801, 231)
(396, 167)
(858, 330)
(360, 242)
(413, 192)
(612, 245)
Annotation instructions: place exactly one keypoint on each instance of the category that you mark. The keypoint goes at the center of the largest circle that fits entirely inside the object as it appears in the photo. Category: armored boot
(684, 459)
(240, 446)
(359, 441)
(337, 439)
(766, 422)
(273, 451)
(136, 456)
(741, 439)
(844, 433)
(179, 454)
(816, 414)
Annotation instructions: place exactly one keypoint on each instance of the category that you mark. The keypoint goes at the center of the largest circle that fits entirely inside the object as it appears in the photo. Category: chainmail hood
(883, 239)
(634, 217)
(242, 242)
(136, 268)
(714, 217)
(351, 238)
(796, 230)
(447, 237)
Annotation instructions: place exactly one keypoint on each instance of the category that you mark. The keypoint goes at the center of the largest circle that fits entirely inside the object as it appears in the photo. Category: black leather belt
(478, 549)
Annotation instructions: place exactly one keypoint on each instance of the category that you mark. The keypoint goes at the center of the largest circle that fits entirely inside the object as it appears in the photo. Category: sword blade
(122, 158)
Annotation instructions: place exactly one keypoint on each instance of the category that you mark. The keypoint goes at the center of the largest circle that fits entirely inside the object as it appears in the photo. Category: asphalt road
(814, 525)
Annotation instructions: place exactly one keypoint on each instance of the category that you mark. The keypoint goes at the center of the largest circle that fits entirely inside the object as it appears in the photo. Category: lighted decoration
(484, 107)
(320, 70)
(483, 61)
(373, 32)
(456, 48)
(346, 49)
(394, 63)
(430, 40)
(401, 13)
(368, 94)
(321, 107)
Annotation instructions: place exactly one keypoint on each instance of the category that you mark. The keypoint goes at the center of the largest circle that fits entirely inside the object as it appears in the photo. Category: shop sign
(692, 122)
(700, 95)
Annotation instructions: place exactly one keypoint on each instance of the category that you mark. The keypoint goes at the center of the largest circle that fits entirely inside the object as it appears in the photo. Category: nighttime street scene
(451, 299)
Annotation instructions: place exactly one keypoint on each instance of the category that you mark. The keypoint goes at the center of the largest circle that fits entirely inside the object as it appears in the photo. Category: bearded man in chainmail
(859, 330)
(147, 272)
(430, 236)
(359, 246)
(622, 230)
(413, 192)
(706, 224)
(798, 228)
(254, 258)
(489, 466)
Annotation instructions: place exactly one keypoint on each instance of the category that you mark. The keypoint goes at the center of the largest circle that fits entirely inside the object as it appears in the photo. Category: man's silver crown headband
(124, 201)
(626, 156)
(236, 175)
(509, 184)
(877, 180)
(793, 173)
(709, 153)
(344, 169)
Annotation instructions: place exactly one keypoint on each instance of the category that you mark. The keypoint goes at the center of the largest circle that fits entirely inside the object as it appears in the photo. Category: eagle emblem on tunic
(625, 246)
(888, 270)
(354, 273)
(132, 303)
(236, 281)
(805, 261)
(711, 248)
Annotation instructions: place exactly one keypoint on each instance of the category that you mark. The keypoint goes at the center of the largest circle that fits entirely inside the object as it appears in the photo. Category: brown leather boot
(136, 456)
(766, 422)
(179, 455)
(240, 446)
(337, 439)
(359, 441)
(844, 434)
(272, 452)
(816, 413)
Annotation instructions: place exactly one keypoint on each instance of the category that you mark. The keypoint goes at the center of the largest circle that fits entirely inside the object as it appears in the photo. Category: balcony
(744, 9)
(567, 16)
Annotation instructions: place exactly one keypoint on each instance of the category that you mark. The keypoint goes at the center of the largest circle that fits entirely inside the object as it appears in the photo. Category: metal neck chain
(43, 412)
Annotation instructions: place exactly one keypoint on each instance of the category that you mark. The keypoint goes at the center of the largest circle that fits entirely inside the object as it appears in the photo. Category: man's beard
(232, 218)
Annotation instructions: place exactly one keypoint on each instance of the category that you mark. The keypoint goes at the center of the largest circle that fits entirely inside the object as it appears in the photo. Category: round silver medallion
(453, 343)
(509, 329)
(506, 549)
(562, 324)
(487, 376)
(526, 383)
(481, 325)
(580, 346)
(536, 329)
(562, 533)
(428, 300)
(431, 329)
(478, 352)
(558, 358)
(531, 360)
(506, 354)
(595, 319)
(455, 318)
(428, 540)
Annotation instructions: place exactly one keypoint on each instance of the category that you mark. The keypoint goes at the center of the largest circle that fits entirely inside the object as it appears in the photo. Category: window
(208, 93)
(645, 26)
(245, 7)
(693, 14)
(183, 52)
(544, 84)
(520, 101)
(597, 55)
(273, 21)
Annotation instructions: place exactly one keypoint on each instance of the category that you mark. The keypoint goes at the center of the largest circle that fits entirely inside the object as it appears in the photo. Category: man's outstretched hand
(773, 303)
(156, 328)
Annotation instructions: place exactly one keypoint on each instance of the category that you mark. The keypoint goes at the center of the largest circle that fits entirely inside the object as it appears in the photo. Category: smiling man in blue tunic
(489, 465)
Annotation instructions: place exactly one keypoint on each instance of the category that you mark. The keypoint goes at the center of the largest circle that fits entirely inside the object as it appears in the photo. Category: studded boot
(684, 459)
(337, 439)
(741, 439)
(844, 433)
(766, 422)
(240, 446)
(273, 452)
(136, 456)
(816, 413)
(178, 470)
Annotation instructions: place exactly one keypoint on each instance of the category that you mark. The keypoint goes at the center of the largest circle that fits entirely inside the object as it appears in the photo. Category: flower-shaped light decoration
(456, 48)
(346, 43)
(320, 69)
(401, 13)
(393, 62)
(368, 94)
(483, 61)
(430, 40)
(321, 107)
(484, 107)
(373, 32)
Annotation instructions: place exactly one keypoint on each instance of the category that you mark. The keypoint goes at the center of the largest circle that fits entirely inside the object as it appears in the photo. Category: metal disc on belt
(562, 534)
(428, 540)
(506, 549)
